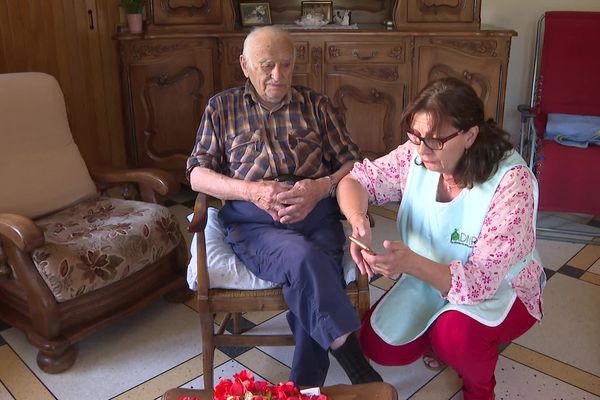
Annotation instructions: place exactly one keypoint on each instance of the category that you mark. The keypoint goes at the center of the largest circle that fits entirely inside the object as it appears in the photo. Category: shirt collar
(250, 93)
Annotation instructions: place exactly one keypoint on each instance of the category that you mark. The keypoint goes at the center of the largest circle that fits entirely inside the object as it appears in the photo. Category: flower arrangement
(244, 387)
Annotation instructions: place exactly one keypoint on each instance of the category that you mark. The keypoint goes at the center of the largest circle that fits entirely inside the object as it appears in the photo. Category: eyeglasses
(432, 143)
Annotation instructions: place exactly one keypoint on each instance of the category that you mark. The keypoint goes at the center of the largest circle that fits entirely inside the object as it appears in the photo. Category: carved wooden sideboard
(170, 71)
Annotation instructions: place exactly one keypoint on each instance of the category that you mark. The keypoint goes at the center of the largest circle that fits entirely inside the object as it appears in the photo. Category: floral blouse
(506, 237)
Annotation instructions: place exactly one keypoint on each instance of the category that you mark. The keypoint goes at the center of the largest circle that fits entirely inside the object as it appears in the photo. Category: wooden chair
(73, 262)
(234, 302)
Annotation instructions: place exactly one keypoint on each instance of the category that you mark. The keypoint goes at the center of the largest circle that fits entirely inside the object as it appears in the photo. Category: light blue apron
(443, 232)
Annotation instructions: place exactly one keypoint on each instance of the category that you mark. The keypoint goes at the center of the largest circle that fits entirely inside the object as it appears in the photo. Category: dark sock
(352, 359)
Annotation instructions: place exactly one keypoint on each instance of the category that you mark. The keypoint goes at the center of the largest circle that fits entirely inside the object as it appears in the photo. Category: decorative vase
(134, 21)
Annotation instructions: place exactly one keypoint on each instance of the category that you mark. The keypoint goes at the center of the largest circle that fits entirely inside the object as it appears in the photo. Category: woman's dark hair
(452, 101)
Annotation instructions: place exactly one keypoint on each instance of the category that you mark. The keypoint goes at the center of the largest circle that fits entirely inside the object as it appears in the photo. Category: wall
(522, 16)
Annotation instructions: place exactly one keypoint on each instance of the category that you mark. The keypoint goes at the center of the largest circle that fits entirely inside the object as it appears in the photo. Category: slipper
(433, 363)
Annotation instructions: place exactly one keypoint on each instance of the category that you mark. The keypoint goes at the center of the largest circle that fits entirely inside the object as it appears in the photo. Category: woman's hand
(396, 261)
(361, 230)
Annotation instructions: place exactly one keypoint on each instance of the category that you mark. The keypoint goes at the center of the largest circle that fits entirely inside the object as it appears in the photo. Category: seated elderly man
(275, 153)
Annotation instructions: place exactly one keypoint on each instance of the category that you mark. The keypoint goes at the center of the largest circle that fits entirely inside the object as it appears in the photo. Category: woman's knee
(455, 337)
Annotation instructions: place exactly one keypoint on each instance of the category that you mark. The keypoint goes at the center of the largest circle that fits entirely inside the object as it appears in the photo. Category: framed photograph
(254, 14)
(317, 9)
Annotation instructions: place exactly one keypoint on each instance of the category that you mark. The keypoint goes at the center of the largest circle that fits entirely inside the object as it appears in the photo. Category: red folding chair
(566, 80)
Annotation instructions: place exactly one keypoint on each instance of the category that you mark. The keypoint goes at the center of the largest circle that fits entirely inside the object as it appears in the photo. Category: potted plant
(133, 9)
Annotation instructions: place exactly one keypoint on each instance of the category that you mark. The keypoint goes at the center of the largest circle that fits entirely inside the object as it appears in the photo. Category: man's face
(269, 66)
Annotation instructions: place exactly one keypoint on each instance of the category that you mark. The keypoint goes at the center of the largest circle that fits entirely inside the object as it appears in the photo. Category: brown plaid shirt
(304, 136)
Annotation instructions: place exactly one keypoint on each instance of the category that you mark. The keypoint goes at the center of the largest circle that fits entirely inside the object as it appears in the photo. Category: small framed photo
(254, 14)
(318, 9)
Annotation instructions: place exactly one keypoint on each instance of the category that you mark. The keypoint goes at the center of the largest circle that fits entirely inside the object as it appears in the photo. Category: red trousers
(468, 346)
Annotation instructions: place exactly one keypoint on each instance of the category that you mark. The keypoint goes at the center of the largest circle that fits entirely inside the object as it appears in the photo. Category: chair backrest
(569, 70)
(41, 169)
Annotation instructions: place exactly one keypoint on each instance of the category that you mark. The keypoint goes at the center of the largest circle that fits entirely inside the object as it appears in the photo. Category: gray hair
(254, 32)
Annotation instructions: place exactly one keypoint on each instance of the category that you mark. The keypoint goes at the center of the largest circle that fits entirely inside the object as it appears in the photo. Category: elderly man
(275, 153)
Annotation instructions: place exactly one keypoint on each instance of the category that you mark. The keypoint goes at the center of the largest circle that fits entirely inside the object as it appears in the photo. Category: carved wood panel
(437, 12)
(195, 14)
(371, 97)
(169, 93)
(479, 62)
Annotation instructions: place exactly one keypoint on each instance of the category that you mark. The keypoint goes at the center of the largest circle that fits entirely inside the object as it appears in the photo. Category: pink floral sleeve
(385, 178)
(507, 236)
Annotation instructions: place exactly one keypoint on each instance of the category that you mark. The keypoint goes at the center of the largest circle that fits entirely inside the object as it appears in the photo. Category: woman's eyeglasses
(432, 143)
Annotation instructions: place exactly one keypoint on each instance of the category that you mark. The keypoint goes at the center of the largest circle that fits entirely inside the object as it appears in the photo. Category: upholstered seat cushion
(100, 241)
(226, 270)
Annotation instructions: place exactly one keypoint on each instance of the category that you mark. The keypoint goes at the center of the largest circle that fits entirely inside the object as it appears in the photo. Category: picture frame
(255, 14)
(318, 7)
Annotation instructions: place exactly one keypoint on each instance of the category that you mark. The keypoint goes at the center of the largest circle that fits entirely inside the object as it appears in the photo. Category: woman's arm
(354, 202)
(507, 236)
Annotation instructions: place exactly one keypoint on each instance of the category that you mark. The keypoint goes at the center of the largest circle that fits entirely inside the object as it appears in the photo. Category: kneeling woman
(469, 277)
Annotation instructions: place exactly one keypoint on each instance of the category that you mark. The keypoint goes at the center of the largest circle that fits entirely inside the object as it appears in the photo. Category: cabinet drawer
(374, 52)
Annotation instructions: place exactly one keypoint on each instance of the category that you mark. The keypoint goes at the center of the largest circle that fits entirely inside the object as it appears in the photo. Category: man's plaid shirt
(303, 136)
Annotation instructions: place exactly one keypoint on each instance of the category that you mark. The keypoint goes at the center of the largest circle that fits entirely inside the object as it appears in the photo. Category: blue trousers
(305, 258)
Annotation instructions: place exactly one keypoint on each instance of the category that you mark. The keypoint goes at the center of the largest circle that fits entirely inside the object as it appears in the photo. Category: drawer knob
(356, 53)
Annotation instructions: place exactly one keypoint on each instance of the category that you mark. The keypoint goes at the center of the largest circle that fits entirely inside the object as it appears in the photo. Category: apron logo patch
(463, 238)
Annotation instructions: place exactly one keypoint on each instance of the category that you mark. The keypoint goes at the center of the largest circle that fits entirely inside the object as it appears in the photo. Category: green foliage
(133, 6)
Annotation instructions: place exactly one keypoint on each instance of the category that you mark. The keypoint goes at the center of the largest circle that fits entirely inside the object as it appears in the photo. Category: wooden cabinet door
(168, 83)
(437, 13)
(72, 41)
(199, 15)
(368, 81)
(482, 62)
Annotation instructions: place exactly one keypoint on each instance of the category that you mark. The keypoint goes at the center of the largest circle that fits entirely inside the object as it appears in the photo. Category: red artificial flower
(244, 387)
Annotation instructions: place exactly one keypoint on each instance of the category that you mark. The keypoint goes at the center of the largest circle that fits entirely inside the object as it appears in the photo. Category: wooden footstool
(373, 391)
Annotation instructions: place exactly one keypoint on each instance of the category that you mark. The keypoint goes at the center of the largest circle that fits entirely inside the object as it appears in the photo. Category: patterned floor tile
(174, 377)
(126, 354)
(266, 366)
(553, 368)
(234, 351)
(556, 254)
(383, 283)
(571, 271)
(569, 330)
(18, 380)
(443, 386)
(586, 257)
(224, 370)
(591, 278)
(595, 268)
(4, 393)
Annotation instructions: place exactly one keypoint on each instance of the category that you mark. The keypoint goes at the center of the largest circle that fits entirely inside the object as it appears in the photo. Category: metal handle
(91, 16)
(356, 53)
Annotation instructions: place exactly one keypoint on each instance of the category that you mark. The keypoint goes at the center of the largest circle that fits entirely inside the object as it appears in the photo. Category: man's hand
(264, 195)
(301, 199)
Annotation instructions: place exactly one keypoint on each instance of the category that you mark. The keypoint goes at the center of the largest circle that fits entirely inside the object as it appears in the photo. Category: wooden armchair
(234, 302)
(73, 261)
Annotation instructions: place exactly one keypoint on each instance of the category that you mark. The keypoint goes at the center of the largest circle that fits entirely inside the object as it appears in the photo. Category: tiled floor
(159, 348)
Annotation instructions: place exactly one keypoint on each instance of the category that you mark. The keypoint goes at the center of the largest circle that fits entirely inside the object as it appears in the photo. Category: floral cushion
(227, 271)
(101, 241)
